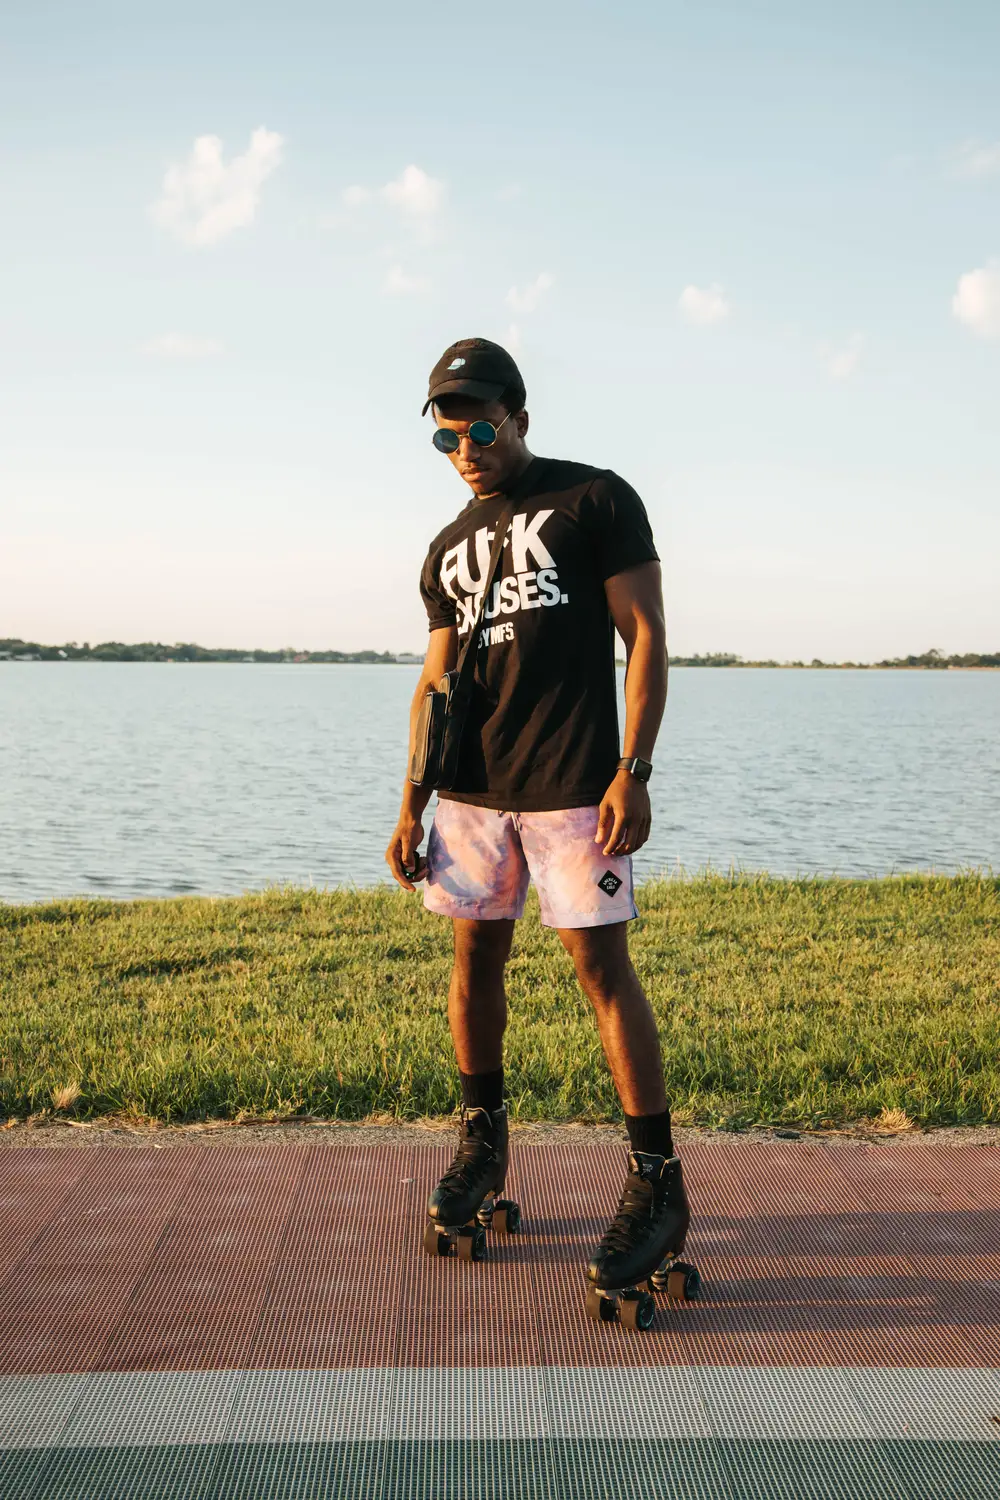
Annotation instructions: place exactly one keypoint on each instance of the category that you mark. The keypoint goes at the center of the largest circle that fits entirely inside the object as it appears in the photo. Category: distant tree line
(17, 650)
(182, 651)
(928, 659)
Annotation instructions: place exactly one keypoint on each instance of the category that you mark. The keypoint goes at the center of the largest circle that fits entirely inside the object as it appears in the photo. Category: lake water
(129, 780)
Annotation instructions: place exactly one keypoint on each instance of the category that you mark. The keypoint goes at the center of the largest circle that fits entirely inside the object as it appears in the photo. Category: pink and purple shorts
(479, 863)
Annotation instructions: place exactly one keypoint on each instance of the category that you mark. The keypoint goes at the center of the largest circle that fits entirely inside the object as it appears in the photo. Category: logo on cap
(456, 364)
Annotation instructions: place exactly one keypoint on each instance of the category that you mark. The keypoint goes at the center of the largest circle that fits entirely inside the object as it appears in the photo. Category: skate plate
(468, 1241)
(635, 1308)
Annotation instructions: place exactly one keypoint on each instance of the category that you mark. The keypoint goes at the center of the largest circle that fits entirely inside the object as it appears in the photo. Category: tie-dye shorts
(479, 863)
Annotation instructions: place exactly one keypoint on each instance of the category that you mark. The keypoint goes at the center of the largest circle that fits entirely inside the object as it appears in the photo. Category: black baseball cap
(474, 367)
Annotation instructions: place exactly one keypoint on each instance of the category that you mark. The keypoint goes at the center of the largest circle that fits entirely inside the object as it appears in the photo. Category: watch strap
(640, 769)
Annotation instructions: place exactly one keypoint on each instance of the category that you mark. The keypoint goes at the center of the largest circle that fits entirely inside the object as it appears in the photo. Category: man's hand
(403, 856)
(625, 817)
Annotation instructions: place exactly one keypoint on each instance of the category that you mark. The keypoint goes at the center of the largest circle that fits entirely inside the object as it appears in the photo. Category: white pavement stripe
(696, 1401)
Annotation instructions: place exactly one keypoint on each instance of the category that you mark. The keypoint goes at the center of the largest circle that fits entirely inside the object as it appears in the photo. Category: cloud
(416, 194)
(512, 339)
(976, 302)
(397, 283)
(527, 300)
(842, 360)
(977, 159)
(703, 304)
(183, 346)
(206, 198)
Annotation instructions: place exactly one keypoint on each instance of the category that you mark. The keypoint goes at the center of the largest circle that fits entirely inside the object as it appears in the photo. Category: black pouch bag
(438, 740)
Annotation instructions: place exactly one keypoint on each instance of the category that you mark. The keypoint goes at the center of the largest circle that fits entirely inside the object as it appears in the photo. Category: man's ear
(521, 422)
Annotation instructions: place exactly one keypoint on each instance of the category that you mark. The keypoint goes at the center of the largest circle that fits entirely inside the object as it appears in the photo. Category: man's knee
(600, 957)
(481, 949)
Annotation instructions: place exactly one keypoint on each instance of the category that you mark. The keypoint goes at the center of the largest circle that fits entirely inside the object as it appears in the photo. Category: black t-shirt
(542, 731)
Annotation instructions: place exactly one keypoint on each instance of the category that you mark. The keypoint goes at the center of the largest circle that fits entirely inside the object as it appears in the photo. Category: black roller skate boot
(642, 1244)
(466, 1201)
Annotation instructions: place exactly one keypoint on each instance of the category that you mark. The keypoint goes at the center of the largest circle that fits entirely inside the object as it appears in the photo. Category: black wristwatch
(641, 769)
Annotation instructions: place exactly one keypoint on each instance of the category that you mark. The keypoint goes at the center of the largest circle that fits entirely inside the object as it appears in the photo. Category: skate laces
(638, 1209)
(634, 1219)
(469, 1156)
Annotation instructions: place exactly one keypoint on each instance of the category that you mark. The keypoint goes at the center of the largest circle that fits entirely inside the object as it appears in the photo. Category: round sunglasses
(483, 434)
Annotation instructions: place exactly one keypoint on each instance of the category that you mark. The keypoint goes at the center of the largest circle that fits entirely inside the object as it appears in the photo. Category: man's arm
(635, 600)
(442, 654)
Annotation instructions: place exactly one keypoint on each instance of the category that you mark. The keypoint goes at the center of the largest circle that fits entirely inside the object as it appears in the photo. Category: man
(541, 790)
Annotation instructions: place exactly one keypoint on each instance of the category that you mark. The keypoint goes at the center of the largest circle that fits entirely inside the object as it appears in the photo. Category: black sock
(650, 1133)
(482, 1090)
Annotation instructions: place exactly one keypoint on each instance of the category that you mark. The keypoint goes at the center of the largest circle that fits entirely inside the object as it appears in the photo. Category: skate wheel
(637, 1310)
(435, 1243)
(683, 1282)
(472, 1244)
(601, 1309)
(506, 1217)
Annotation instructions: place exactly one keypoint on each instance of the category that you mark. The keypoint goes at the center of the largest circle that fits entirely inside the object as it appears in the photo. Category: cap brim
(480, 390)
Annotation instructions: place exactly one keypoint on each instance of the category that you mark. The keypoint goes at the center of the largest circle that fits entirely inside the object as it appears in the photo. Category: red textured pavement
(309, 1257)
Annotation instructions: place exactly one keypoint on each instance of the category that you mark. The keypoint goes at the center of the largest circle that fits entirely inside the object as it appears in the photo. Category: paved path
(261, 1322)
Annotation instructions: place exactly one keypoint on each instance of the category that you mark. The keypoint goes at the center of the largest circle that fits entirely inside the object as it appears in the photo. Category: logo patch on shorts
(610, 883)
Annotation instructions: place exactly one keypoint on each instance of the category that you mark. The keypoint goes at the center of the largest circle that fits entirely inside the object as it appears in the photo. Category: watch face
(639, 768)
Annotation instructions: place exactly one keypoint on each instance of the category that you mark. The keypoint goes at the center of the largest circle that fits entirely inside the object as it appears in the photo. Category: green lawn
(799, 1002)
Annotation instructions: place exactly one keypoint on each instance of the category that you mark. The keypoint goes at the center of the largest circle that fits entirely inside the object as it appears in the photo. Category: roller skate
(642, 1245)
(467, 1202)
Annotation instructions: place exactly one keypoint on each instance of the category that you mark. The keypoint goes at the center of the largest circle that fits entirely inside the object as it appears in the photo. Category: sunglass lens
(483, 434)
(444, 440)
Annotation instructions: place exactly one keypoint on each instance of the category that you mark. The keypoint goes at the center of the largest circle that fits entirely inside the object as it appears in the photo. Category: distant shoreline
(15, 650)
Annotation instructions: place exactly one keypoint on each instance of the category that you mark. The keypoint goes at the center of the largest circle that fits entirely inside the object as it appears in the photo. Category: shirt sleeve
(622, 534)
(440, 607)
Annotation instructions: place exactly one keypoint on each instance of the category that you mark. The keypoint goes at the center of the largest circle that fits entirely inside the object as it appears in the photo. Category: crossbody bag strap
(466, 664)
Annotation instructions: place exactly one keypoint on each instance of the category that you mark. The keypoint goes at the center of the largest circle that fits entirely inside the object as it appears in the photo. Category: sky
(747, 256)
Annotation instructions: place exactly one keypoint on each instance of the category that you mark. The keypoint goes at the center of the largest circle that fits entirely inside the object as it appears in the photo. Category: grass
(808, 1003)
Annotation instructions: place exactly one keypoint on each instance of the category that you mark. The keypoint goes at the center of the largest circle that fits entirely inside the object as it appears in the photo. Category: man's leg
(477, 1014)
(587, 896)
(627, 1028)
(476, 875)
(477, 1007)
(648, 1232)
